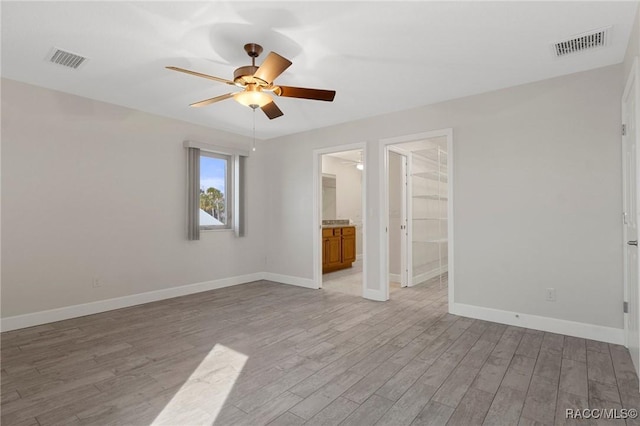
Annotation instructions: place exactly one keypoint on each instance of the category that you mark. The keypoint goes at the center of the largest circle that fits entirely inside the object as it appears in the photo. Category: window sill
(217, 230)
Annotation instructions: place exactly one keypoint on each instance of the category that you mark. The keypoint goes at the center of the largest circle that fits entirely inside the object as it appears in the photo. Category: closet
(428, 198)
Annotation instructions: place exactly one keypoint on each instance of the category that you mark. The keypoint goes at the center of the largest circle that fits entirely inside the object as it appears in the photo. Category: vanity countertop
(335, 223)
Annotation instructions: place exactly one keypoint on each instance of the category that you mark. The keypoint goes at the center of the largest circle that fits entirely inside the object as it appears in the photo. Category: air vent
(66, 59)
(586, 41)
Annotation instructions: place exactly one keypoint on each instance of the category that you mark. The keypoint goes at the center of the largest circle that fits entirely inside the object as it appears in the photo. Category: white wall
(348, 193)
(537, 186)
(91, 189)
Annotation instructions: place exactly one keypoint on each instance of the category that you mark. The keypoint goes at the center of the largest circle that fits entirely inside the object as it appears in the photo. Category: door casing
(631, 195)
(384, 165)
(317, 209)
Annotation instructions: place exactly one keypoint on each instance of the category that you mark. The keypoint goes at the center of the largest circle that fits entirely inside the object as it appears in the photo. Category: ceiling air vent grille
(66, 59)
(582, 42)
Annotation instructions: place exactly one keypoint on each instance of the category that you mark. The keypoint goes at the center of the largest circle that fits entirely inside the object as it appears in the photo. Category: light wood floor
(266, 353)
(350, 280)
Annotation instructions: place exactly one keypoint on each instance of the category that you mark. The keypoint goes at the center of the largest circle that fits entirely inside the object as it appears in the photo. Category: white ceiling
(379, 56)
(354, 156)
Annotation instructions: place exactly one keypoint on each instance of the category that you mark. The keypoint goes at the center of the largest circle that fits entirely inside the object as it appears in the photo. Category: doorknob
(633, 243)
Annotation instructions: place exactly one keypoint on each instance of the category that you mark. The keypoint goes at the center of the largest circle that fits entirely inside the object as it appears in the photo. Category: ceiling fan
(257, 83)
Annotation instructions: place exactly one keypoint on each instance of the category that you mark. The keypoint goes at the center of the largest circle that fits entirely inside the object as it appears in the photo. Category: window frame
(229, 191)
(238, 215)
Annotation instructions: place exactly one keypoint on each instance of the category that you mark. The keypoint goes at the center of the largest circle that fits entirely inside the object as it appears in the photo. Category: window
(215, 191)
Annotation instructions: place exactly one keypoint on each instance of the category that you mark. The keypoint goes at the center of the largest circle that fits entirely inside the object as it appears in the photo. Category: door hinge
(624, 130)
(625, 307)
(624, 218)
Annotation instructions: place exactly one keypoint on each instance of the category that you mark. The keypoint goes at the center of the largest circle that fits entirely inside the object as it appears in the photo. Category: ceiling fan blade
(271, 110)
(212, 100)
(304, 93)
(273, 66)
(198, 74)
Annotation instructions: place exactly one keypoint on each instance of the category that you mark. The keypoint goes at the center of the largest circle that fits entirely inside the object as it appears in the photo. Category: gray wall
(537, 184)
(91, 189)
(633, 48)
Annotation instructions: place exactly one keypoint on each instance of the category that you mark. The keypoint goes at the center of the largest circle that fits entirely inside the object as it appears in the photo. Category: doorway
(630, 217)
(340, 220)
(419, 239)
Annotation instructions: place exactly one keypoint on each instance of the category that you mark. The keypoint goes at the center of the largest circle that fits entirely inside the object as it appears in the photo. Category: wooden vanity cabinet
(338, 248)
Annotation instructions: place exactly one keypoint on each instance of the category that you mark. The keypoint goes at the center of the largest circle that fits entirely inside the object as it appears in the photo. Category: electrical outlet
(551, 295)
(96, 282)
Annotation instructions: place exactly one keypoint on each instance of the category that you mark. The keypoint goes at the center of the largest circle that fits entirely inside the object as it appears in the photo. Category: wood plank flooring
(266, 353)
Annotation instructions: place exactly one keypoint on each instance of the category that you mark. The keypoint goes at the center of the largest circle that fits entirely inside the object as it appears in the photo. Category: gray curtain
(193, 197)
(240, 214)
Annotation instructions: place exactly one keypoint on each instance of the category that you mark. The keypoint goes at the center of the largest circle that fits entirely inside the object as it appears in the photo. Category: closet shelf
(429, 181)
(431, 197)
(420, 266)
(434, 175)
(430, 153)
(431, 241)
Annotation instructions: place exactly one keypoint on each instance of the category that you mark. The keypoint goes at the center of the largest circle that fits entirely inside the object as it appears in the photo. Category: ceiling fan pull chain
(254, 130)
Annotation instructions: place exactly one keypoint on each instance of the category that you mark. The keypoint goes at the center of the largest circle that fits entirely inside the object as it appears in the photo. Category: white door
(397, 219)
(632, 295)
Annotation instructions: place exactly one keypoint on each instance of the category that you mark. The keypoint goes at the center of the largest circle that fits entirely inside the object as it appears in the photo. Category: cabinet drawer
(349, 231)
(336, 231)
(327, 232)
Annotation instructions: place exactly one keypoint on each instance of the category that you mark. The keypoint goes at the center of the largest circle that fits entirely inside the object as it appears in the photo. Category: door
(397, 216)
(632, 295)
(334, 254)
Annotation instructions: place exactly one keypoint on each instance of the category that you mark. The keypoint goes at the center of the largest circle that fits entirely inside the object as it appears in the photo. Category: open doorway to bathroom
(342, 221)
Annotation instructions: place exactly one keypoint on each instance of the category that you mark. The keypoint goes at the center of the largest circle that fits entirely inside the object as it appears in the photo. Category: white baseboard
(396, 278)
(74, 311)
(288, 279)
(552, 325)
(570, 328)
(428, 275)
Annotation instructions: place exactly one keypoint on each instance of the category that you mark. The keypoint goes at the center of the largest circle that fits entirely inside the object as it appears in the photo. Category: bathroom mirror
(328, 196)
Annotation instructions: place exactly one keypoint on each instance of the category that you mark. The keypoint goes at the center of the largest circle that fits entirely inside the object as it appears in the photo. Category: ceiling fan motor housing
(244, 75)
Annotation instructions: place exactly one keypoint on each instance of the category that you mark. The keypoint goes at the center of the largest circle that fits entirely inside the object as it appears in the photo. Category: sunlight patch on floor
(201, 398)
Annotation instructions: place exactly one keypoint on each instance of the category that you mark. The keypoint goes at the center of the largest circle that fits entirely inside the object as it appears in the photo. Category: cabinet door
(325, 257)
(348, 248)
(333, 252)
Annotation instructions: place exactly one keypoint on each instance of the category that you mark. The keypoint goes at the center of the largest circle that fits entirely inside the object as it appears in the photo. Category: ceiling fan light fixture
(252, 97)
